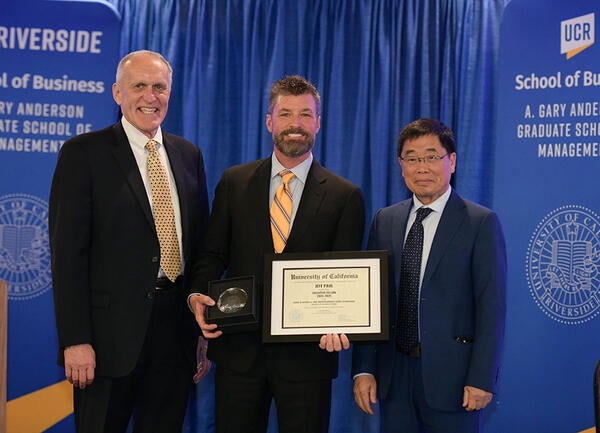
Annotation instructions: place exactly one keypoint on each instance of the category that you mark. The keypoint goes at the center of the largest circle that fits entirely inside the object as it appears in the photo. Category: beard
(294, 148)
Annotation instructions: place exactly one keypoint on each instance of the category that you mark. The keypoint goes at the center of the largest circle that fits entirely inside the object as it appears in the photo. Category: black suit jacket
(330, 217)
(105, 250)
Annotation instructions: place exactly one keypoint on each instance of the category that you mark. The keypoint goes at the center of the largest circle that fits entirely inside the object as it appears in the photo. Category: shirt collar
(437, 206)
(136, 137)
(300, 171)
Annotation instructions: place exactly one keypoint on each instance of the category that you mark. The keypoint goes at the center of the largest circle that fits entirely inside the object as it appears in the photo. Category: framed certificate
(308, 295)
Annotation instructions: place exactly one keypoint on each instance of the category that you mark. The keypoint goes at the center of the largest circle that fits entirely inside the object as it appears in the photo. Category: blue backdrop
(547, 162)
(378, 64)
(57, 66)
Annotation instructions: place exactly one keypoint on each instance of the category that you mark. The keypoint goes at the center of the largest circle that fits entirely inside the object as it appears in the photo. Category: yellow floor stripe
(39, 410)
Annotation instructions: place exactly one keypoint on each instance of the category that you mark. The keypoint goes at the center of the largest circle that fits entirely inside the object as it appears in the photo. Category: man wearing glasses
(447, 260)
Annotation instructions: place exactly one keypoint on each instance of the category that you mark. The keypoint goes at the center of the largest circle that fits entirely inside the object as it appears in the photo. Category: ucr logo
(24, 248)
(563, 262)
(576, 35)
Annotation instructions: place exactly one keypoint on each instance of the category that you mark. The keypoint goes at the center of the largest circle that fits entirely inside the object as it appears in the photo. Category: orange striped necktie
(164, 215)
(281, 211)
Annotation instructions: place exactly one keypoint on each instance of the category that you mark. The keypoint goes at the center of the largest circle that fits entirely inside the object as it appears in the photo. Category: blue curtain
(378, 64)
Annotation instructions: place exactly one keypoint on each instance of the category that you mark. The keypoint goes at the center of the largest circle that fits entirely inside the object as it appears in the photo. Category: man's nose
(150, 94)
(422, 165)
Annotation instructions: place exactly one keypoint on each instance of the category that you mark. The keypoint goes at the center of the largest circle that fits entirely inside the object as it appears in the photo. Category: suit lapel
(178, 170)
(258, 191)
(449, 225)
(400, 221)
(128, 164)
(312, 196)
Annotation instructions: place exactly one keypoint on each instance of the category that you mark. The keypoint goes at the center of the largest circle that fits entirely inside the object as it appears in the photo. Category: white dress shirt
(138, 141)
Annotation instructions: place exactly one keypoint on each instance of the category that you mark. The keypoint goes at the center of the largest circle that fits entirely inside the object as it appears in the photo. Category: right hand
(80, 362)
(365, 392)
(199, 302)
(334, 342)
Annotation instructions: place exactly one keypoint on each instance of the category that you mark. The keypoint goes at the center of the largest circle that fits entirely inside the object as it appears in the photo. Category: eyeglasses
(429, 159)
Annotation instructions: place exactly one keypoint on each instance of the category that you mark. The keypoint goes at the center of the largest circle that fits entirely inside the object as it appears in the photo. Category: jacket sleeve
(70, 220)
(489, 287)
(364, 355)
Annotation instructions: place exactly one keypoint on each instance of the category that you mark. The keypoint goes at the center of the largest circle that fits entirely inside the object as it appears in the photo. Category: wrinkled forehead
(145, 68)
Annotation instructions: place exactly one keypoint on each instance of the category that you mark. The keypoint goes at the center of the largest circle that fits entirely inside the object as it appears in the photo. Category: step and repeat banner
(57, 66)
(547, 192)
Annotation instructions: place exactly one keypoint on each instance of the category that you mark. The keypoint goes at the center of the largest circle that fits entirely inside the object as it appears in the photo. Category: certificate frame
(307, 295)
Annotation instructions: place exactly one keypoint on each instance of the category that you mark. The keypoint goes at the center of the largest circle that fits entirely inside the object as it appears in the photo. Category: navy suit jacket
(462, 303)
(330, 217)
(105, 250)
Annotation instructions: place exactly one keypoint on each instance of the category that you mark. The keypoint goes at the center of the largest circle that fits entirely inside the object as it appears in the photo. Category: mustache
(293, 130)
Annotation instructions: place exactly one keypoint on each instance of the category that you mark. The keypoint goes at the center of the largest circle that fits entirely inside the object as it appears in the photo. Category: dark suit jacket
(330, 217)
(105, 250)
(462, 303)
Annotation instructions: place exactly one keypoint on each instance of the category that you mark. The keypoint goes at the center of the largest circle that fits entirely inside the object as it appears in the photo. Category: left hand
(365, 392)
(334, 342)
(475, 398)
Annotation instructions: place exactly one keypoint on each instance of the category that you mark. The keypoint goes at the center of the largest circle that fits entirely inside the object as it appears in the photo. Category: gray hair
(141, 53)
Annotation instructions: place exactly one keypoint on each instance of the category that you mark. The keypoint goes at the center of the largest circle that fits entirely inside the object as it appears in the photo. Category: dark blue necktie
(408, 305)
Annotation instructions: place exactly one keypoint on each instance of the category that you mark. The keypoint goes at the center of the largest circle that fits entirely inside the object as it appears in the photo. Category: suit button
(154, 259)
(150, 295)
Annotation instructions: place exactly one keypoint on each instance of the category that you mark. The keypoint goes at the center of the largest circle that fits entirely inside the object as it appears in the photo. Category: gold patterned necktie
(281, 211)
(164, 216)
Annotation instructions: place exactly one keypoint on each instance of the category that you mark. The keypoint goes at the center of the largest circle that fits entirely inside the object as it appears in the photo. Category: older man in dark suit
(448, 261)
(128, 211)
(326, 213)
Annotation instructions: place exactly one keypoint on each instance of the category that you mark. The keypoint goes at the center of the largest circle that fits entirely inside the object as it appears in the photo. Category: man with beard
(327, 214)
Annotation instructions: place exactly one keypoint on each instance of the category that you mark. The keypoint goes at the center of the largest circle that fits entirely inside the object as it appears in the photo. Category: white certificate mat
(308, 295)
